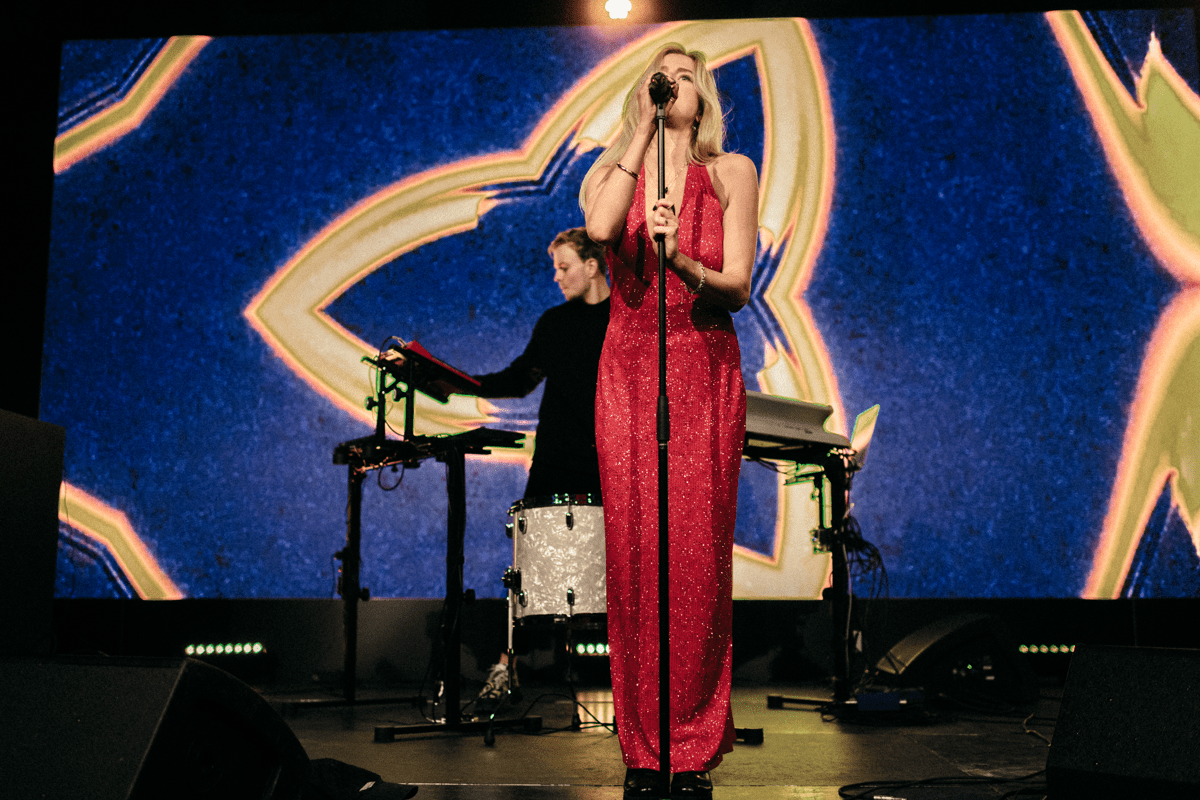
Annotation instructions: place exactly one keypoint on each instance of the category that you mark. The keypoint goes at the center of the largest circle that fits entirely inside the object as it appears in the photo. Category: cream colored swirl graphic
(1152, 143)
(96, 132)
(105, 526)
(110, 529)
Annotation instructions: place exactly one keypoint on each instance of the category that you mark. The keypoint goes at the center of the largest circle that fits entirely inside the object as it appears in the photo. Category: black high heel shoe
(643, 784)
(691, 786)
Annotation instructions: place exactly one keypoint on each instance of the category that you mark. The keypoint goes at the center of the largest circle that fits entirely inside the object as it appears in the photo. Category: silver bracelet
(699, 285)
(626, 170)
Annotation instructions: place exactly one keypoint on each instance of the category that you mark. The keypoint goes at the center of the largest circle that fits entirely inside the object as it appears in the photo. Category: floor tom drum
(558, 551)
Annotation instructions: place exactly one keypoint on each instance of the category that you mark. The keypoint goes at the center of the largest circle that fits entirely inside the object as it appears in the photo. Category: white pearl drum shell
(554, 558)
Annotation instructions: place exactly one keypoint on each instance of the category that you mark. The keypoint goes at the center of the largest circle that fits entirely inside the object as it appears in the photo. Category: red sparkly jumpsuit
(707, 401)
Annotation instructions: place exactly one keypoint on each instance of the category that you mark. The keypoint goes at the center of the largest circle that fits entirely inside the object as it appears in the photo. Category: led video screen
(987, 225)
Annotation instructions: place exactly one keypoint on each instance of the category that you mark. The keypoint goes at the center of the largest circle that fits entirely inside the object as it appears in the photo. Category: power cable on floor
(867, 790)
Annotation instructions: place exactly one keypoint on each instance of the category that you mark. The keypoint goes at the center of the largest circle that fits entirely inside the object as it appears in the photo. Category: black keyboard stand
(836, 467)
(362, 456)
(454, 458)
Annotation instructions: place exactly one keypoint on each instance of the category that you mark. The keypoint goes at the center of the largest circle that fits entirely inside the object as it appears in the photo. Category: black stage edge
(783, 641)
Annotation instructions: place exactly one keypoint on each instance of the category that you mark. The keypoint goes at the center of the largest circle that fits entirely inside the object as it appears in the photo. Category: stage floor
(805, 754)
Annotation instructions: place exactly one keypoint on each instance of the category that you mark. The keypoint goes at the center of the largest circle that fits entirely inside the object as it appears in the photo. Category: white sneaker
(497, 683)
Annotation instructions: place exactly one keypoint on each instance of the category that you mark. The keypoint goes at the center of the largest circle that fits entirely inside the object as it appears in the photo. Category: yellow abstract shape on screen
(104, 128)
(99, 522)
(111, 529)
(1152, 144)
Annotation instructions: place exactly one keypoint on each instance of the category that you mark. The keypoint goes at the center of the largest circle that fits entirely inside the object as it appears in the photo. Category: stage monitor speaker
(140, 729)
(966, 657)
(1128, 726)
(31, 470)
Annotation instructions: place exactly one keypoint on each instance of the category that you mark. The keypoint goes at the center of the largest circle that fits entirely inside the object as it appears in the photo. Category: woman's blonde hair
(708, 135)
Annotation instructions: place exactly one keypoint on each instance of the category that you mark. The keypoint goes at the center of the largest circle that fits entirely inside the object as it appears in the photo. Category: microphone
(660, 88)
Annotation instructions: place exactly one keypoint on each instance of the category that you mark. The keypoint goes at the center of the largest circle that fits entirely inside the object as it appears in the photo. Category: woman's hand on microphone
(647, 108)
(664, 225)
(661, 88)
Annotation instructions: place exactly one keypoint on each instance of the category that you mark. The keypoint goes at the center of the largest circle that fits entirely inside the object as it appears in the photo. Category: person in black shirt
(564, 351)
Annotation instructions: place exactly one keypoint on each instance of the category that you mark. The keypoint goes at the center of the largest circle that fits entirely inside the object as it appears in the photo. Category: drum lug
(512, 579)
(508, 529)
(570, 520)
(521, 599)
(521, 524)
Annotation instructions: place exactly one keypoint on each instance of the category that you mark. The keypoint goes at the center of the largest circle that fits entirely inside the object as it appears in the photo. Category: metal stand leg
(838, 594)
(510, 658)
(456, 527)
(351, 591)
(455, 461)
(349, 586)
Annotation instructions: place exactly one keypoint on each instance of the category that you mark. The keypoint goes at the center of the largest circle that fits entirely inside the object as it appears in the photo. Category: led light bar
(1038, 649)
(235, 649)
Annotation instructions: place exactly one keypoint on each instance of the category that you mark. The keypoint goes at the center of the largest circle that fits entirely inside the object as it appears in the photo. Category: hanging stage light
(618, 9)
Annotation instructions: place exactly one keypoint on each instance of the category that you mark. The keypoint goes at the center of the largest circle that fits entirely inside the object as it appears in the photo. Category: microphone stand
(664, 435)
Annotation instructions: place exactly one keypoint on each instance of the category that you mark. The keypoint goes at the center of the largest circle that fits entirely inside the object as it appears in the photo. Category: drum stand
(570, 640)
(512, 580)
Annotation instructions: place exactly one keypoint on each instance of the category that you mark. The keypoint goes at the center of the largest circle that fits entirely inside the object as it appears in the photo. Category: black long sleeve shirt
(565, 352)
